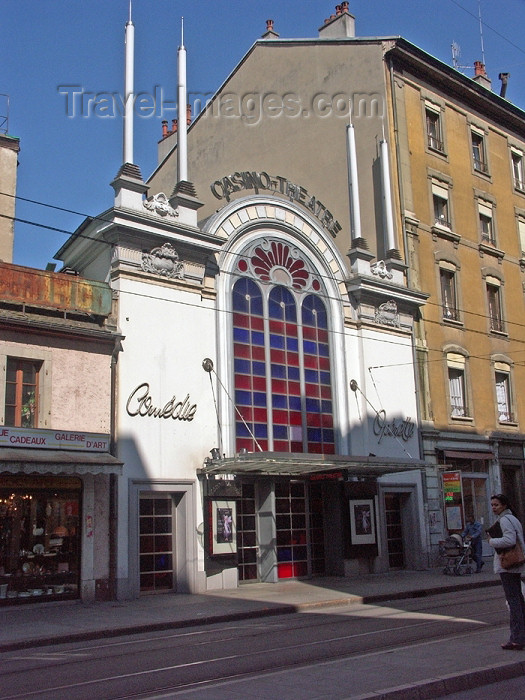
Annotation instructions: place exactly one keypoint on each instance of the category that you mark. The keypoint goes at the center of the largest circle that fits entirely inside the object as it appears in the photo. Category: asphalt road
(337, 653)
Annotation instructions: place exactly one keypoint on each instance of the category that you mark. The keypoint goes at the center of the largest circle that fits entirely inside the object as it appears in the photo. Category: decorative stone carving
(380, 269)
(387, 314)
(163, 261)
(160, 205)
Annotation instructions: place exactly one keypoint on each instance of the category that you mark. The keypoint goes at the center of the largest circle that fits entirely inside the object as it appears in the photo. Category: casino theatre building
(266, 411)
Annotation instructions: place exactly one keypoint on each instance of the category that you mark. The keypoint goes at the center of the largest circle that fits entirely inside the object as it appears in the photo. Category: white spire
(182, 147)
(353, 183)
(129, 90)
(387, 197)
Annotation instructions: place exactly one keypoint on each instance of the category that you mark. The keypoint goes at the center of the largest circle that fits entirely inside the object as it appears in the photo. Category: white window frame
(518, 178)
(457, 385)
(521, 233)
(441, 204)
(435, 142)
(496, 321)
(450, 306)
(486, 216)
(503, 388)
(478, 139)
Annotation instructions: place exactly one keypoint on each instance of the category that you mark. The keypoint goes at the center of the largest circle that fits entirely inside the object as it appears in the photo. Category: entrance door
(394, 530)
(157, 540)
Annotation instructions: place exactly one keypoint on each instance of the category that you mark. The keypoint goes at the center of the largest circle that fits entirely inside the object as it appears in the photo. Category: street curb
(279, 609)
(446, 685)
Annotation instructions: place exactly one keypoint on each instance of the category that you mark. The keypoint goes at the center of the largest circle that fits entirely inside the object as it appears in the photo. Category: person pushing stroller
(472, 534)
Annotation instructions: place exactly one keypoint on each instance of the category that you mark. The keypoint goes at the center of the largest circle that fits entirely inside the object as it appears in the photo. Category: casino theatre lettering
(238, 181)
(140, 403)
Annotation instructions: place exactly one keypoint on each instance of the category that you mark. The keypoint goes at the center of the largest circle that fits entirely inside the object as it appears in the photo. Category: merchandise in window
(39, 538)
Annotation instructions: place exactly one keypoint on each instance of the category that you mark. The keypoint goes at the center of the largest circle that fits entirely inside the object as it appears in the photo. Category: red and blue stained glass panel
(249, 366)
(298, 423)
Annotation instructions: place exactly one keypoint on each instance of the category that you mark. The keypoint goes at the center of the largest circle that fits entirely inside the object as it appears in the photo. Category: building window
(456, 365)
(494, 304)
(486, 223)
(283, 394)
(434, 131)
(447, 277)
(440, 203)
(503, 395)
(21, 393)
(521, 234)
(441, 215)
(517, 169)
(479, 155)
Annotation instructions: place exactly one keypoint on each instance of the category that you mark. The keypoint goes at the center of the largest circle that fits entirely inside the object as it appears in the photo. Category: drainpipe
(113, 479)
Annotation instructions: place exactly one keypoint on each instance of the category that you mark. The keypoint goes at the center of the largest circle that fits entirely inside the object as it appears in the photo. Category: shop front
(55, 517)
(40, 537)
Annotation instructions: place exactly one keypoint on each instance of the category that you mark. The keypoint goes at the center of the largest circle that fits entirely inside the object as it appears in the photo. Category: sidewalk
(54, 623)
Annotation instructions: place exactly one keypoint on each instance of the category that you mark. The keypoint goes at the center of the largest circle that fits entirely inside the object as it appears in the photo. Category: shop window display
(39, 538)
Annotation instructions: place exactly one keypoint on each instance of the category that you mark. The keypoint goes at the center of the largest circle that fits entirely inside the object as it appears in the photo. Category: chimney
(9, 148)
(270, 33)
(341, 25)
(504, 77)
(188, 114)
(480, 75)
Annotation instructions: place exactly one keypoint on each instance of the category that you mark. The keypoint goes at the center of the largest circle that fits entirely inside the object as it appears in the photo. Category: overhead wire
(324, 294)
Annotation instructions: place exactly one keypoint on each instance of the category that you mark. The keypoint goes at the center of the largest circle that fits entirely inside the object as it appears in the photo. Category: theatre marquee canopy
(279, 464)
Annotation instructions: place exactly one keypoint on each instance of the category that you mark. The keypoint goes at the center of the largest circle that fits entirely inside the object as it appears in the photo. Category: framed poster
(223, 529)
(362, 521)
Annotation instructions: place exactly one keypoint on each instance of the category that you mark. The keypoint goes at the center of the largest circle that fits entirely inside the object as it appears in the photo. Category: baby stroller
(457, 555)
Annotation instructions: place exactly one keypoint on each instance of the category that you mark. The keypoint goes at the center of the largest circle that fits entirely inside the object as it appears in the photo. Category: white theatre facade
(266, 415)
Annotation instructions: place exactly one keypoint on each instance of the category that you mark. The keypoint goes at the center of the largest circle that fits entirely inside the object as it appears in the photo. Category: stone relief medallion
(387, 314)
(160, 205)
(163, 261)
(380, 269)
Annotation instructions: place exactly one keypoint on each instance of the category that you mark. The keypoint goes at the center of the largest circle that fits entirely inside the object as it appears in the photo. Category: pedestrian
(512, 532)
(472, 534)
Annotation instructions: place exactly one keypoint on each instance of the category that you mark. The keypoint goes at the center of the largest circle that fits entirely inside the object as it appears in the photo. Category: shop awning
(279, 464)
(464, 454)
(27, 461)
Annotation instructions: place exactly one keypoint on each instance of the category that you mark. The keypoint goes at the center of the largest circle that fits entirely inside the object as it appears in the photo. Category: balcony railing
(481, 166)
(42, 288)
(496, 324)
(450, 313)
(435, 144)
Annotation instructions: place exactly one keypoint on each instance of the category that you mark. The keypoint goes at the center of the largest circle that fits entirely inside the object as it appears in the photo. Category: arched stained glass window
(249, 366)
(283, 394)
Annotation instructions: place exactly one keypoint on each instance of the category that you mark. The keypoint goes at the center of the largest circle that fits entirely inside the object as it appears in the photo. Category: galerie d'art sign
(222, 189)
(403, 429)
(141, 404)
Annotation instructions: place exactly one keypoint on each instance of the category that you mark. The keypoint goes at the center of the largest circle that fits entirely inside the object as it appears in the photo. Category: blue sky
(68, 160)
